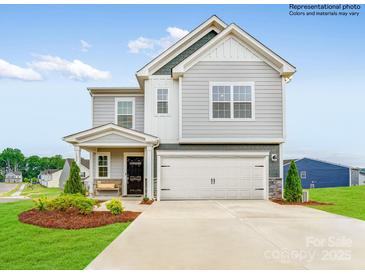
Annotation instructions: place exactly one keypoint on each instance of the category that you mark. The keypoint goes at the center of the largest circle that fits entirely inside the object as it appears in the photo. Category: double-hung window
(125, 112)
(162, 101)
(232, 101)
(103, 160)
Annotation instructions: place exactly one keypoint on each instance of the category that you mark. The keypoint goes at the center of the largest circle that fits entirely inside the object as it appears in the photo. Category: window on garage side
(162, 101)
(232, 101)
(125, 112)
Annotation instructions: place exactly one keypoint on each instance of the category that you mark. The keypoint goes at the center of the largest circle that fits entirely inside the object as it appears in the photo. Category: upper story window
(125, 112)
(162, 101)
(232, 101)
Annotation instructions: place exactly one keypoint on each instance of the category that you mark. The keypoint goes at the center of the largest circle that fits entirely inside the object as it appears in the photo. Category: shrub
(293, 185)
(115, 206)
(26, 180)
(41, 203)
(63, 202)
(74, 183)
(145, 199)
(34, 180)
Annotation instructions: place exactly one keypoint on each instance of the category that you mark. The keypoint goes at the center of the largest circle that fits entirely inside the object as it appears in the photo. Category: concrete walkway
(236, 235)
(19, 191)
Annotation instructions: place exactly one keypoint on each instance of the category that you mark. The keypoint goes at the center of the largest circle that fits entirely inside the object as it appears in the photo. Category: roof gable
(213, 23)
(110, 135)
(167, 68)
(251, 46)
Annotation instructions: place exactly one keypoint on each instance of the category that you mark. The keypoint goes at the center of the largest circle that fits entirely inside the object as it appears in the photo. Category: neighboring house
(318, 174)
(13, 177)
(362, 177)
(205, 122)
(84, 171)
(50, 177)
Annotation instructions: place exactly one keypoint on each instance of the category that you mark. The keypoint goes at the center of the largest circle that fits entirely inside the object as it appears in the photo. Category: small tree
(293, 185)
(74, 183)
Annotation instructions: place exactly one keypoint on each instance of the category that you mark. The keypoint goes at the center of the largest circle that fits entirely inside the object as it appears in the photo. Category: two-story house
(207, 121)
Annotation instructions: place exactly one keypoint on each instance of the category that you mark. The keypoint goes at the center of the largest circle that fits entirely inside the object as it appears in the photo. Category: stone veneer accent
(275, 188)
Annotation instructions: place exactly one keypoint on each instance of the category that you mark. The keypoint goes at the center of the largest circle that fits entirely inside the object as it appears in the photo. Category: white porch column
(91, 175)
(149, 172)
(77, 155)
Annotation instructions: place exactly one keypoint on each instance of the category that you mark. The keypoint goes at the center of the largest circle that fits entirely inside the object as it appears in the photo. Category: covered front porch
(121, 160)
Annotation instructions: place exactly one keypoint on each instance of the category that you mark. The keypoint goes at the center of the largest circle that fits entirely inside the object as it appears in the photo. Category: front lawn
(36, 191)
(347, 201)
(26, 246)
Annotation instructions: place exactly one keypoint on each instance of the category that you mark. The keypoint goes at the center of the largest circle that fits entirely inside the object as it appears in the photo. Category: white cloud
(8, 70)
(154, 46)
(75, 70)
(85, 46)
(141, 43)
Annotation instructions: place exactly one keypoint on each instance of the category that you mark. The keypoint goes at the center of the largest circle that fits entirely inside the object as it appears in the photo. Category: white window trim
(97, 164)
(303, 174)
(231, 84)
(125, 99)
(168, 102)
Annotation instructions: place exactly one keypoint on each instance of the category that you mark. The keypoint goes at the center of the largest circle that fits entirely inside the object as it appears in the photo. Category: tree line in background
(12, 159)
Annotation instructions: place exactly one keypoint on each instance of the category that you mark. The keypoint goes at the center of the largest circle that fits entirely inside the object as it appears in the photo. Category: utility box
(305, 196)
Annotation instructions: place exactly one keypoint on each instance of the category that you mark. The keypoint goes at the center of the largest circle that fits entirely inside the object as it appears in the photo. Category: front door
(135, 175)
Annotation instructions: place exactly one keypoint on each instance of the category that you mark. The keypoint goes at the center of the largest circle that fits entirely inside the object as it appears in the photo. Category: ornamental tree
(74, 183)
(293, 185)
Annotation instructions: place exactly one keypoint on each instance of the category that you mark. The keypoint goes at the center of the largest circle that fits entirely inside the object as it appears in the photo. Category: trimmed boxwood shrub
(66, 201)
(293, 185)
(114, 206)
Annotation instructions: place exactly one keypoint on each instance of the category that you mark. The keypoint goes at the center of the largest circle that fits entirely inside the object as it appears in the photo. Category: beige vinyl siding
(268, 121)
(104, 110)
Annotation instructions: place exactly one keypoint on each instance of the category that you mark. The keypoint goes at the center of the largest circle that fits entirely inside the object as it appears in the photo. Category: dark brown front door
(134, 175)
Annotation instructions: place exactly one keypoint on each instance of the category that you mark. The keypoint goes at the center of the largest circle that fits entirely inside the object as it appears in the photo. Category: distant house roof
(49, 171)
(288, 161)
(85, 162)
(326, 162)
(18, 173)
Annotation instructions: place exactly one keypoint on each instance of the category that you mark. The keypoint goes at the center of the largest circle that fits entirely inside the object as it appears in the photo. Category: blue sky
(43, 93)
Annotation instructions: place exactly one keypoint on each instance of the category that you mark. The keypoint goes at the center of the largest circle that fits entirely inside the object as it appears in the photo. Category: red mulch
(313, 203)
(71, 219)
(147, 202)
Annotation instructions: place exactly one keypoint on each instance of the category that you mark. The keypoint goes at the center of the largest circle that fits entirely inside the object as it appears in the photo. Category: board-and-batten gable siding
(104, 110)
(268, 100)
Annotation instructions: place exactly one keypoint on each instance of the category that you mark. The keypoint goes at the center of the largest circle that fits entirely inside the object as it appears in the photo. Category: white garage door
(212, 178)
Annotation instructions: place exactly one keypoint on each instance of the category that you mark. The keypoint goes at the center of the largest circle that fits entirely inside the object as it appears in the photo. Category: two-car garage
(186, 175)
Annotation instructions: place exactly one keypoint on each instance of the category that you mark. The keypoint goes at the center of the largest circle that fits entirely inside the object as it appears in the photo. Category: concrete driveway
(236, 235)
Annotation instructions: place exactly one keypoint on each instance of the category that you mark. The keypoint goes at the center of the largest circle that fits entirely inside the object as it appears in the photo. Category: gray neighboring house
(84, 171)
(13, 177)
(206, 121)
(50, 177)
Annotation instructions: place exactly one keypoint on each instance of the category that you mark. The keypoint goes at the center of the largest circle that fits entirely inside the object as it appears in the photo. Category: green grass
(35, 191)
(347, 201)
(11, 192)
(26, 246)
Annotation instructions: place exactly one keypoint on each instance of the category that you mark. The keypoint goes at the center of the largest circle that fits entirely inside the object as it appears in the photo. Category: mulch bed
(310, 203)
(71, 219)
(148, 202)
